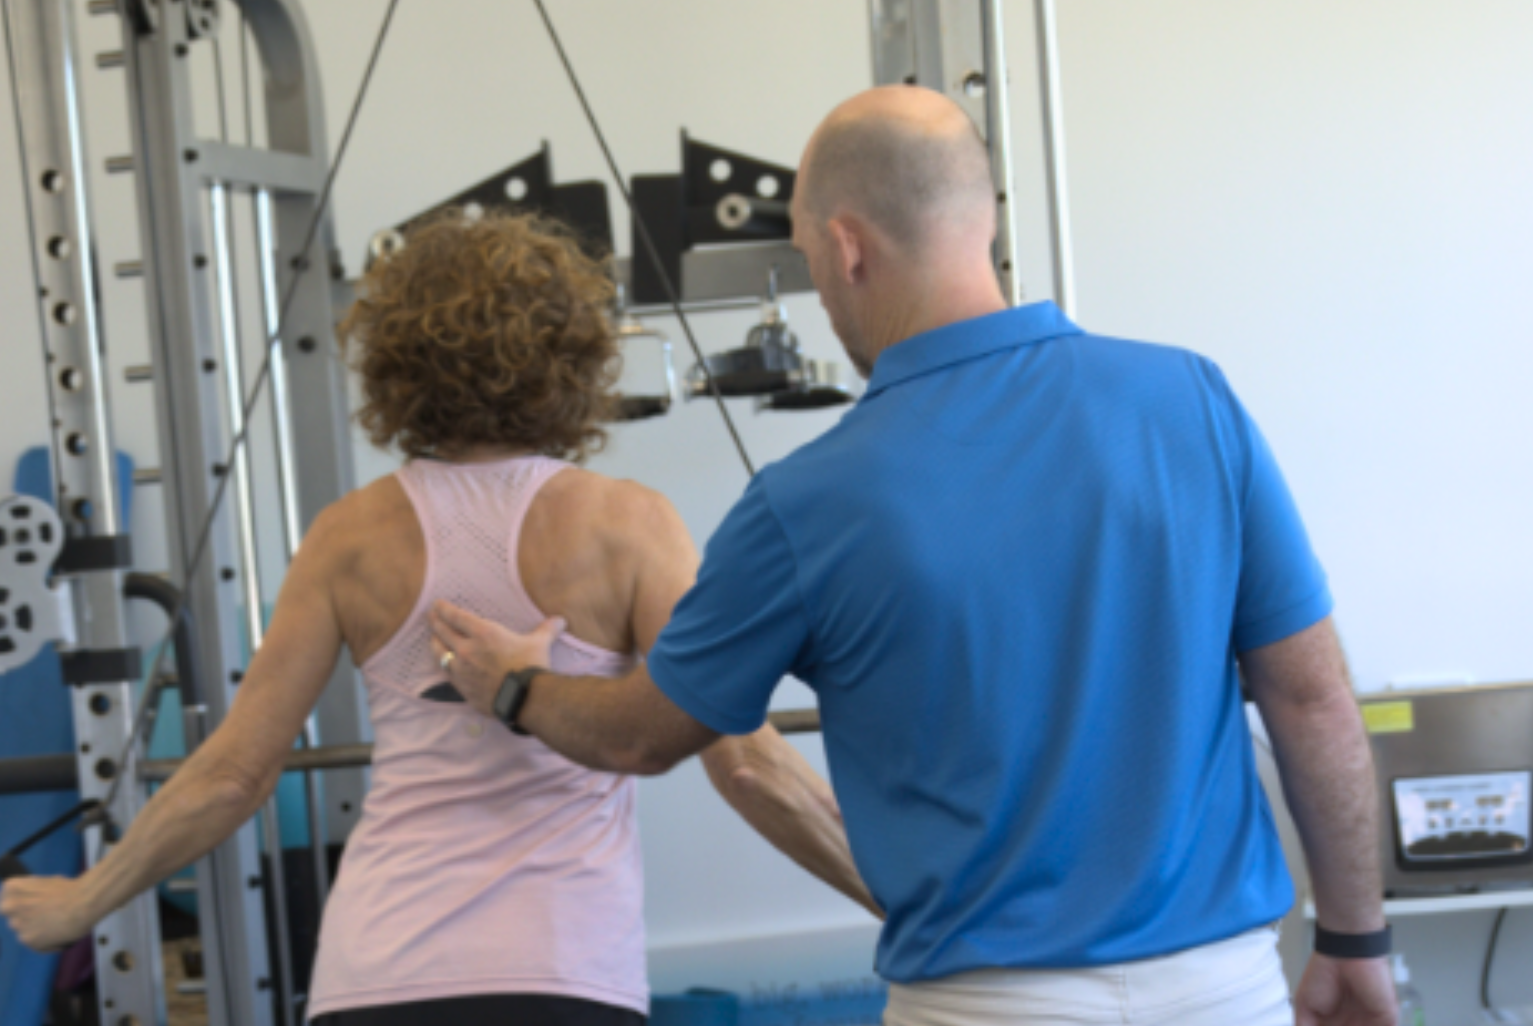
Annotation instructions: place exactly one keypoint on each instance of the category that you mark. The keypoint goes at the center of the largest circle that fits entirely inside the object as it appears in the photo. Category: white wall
(1329, 198)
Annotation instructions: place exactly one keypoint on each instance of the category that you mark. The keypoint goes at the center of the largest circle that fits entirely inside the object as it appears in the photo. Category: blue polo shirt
(1017, 575)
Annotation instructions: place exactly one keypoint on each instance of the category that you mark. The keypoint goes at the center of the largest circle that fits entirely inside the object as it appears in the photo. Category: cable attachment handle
(11, 865)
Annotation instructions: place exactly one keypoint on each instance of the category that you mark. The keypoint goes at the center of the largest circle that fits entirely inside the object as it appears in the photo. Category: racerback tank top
(484, 863)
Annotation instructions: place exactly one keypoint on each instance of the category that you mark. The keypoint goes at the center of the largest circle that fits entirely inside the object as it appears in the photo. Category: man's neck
(919, 307)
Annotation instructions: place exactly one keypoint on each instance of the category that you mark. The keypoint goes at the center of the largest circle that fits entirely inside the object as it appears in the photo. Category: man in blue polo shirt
(1021, 576)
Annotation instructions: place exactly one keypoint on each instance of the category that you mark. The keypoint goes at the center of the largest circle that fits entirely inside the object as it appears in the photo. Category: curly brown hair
(487, 331)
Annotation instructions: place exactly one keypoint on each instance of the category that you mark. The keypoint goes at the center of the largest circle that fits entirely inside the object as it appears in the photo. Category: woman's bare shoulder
(378, 513)
(612, 507)
(588, 548)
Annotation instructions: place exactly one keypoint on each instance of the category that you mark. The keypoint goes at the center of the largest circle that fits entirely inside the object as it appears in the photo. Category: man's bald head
(905, 158)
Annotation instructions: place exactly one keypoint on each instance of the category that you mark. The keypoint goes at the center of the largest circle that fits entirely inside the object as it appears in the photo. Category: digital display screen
(1472, 816)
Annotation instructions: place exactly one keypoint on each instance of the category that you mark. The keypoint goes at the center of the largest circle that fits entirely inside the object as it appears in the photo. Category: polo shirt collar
(966, 340)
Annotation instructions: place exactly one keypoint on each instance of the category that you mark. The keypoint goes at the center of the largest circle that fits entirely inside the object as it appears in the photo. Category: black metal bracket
(660, 201)
(529, 187)
(717, 180)
(720, 197)
(101, 665)
(97, 552)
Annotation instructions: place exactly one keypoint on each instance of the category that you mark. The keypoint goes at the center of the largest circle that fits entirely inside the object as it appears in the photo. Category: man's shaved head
(895, 212)
(906, 159)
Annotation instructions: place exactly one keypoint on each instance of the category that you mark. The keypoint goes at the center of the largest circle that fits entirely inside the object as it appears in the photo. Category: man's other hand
(47, 912)
(483, 651)
(1346, 992)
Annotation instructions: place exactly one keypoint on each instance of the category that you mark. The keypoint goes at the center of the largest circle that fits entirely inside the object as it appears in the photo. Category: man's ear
(847, 249)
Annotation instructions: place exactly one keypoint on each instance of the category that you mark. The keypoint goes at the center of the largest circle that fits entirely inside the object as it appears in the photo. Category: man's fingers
(462, 620)
(450, 622)
(549, 630)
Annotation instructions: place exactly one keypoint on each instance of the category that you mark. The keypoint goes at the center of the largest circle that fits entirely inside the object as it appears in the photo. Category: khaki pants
(1237, 982)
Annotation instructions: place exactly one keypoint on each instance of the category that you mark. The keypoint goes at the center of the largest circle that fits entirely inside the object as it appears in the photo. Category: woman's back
(483, 862)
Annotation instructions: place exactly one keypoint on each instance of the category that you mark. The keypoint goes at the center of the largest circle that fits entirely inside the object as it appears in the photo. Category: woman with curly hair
(489, 880)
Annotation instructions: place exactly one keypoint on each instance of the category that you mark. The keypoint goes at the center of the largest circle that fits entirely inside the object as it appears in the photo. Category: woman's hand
(47, 912)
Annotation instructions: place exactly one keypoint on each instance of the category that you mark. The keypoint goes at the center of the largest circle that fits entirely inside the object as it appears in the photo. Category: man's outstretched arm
(616, 724)
(1302, 688)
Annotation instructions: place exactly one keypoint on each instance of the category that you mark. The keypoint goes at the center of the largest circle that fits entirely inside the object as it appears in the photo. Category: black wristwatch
(1353, 945)
(513, 695)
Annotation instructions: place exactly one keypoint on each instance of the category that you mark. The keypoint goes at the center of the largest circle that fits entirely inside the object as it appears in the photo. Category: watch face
(505, 698)
(512, 694)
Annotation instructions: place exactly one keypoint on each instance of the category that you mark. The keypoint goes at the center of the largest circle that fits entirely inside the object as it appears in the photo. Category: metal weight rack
(188, 188)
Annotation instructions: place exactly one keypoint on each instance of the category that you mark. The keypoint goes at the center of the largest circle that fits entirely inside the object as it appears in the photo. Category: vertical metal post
(310, 390)
(287, 489)
(271, 826)
(44, 63)
(1061, 247)
(183, 312)
(314, 376)
(250, 569)
(281, 405)
(234, 392)
(998, 134)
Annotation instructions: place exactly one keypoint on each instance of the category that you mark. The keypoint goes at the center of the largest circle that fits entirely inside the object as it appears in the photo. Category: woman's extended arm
(777, 792)
(224, 781)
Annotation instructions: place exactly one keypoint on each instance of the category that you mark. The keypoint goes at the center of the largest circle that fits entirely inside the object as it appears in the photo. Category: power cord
(1490, 959)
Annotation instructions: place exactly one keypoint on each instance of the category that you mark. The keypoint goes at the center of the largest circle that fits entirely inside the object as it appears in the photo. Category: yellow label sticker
(1390, 717)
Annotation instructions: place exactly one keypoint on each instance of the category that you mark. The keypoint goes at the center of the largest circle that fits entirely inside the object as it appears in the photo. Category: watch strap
(513, 695)
(1353, 945)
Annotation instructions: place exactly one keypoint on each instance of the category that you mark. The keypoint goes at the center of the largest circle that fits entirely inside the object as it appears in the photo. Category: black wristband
(1353, 945)
(513, 695)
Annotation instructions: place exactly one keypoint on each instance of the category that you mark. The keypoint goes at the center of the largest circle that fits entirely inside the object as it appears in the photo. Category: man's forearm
(581, 718)
(773, 789)
(1326, 766)
(616, 724)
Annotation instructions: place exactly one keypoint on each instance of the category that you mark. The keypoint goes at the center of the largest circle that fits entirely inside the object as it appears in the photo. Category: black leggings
(489, 1010)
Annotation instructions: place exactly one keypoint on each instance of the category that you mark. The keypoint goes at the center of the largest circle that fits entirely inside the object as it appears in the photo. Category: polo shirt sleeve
(741, 628)
(1283, 587)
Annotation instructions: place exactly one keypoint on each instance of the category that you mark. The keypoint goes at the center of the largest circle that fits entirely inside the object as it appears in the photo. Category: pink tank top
(484, 863)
